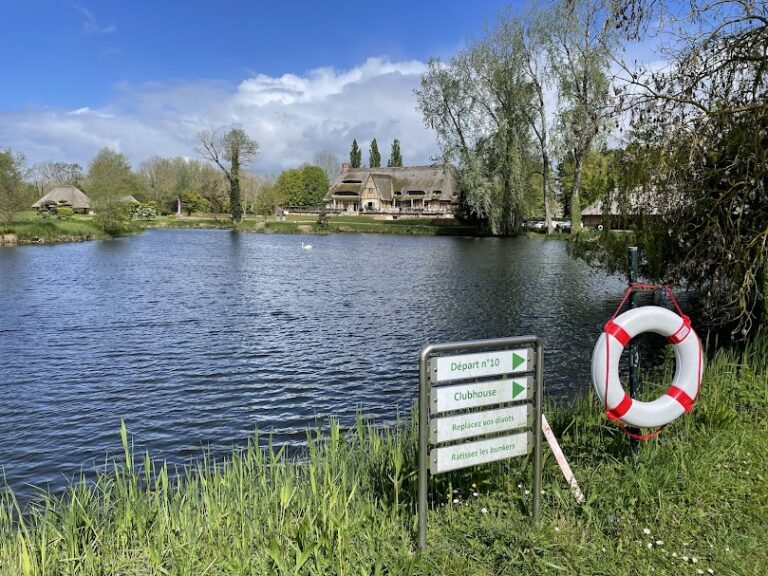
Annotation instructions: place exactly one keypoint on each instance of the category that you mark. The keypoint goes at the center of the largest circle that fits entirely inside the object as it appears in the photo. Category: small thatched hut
(65, 196)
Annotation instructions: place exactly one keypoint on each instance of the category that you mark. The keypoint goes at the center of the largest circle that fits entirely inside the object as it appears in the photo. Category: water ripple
(198, 338)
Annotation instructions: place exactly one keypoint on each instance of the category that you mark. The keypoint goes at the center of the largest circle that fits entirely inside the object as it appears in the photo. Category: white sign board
(473, 453)
(479, 423)
(476, 394)
(468, 366)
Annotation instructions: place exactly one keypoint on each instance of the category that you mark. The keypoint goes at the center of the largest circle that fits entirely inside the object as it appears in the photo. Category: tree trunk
(234, 190)
(545, 186)
(578, 157)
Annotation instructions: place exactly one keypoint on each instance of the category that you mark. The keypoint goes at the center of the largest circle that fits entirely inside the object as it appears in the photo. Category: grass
(693, 501)
(31, 228)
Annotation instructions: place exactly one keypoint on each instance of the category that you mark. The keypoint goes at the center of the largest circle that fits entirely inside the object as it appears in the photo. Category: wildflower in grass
(710, 571)
(674, 554)
(659, 542)
(519, 485)
(646, 530)
(694, 560)
(455, 500)
(685, 558)
(699, 571)
(650, 545)
(475, 494)
(484, 510)
(526, 492)
(557, 528)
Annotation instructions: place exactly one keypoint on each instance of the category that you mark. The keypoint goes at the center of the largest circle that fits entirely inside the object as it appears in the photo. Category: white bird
(306, 246)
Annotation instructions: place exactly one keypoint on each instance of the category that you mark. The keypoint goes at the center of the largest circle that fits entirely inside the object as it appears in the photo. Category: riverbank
(308, 224)
(694, 502)
(28, 228)
(53, 231)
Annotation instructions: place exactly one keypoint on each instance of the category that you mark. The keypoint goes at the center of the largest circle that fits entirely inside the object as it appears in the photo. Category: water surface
(196, 338)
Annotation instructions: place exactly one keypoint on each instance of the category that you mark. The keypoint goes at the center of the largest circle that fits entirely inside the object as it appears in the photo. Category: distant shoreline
(32, 230)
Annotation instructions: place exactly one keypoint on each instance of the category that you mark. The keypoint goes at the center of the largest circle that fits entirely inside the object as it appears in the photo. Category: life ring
(681, 395)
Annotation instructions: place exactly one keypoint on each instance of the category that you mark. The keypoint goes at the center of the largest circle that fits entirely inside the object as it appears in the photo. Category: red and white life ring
(681, 395)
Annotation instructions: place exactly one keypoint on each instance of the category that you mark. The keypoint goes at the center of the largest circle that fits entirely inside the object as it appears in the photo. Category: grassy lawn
(694, 502)
(29, 227)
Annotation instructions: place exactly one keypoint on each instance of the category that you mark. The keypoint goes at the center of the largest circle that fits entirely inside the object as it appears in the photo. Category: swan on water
(306, 246)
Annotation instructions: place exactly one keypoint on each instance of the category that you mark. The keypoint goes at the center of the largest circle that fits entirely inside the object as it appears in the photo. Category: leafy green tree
(315, 184)
(14, 193)
(355, 155)
(110, 179)
(267, 199)
(194, 202)
(290, 188)
(598, 177)
(236, 148)
(395, 158)
(374, 157)
(305, 186)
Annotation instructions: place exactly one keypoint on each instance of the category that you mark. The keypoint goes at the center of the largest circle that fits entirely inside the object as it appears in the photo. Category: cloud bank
(290, 116)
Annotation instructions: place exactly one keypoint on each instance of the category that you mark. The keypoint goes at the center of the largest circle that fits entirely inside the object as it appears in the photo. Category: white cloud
(91, 25)
(290, 116)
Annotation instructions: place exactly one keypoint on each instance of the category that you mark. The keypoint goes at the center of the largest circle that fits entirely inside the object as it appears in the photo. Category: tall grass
(54, 230)
(699, 492)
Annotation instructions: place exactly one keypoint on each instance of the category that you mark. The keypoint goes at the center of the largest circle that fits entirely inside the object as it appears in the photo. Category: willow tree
(704, 117)
(580, 51)
(532, 35)
(476, 105)
(234, 148)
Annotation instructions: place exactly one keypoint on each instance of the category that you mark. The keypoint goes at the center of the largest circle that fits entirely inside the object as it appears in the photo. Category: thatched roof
(129, 200)
(65, 195)
(433, 182)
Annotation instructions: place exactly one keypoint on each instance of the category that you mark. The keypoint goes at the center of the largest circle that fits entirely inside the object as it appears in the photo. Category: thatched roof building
(408, 188)
(65, 196)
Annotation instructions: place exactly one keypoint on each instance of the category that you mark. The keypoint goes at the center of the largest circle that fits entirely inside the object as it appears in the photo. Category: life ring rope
(613, 330)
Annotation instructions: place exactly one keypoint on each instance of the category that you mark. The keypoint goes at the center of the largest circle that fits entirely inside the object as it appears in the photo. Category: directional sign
(472, 453)
(476, 394)
(468, 366)
(479, 423)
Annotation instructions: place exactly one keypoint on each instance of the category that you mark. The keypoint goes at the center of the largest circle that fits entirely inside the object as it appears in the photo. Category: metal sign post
(482, 391)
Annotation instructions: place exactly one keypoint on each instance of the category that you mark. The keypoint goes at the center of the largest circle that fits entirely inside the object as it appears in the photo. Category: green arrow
(517, 360)
(517, 388)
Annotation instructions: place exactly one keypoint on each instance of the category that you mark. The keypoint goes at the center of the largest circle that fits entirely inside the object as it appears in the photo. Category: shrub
(64, 212)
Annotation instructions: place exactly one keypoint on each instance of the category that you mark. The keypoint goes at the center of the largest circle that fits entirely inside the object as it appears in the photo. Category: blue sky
(145, 77)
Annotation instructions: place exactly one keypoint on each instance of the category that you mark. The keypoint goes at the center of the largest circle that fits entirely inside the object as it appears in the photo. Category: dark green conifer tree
(395, 158)
(355, 155)
(374, 158)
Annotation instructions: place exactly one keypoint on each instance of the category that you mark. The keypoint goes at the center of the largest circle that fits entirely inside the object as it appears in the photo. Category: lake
(197, 338)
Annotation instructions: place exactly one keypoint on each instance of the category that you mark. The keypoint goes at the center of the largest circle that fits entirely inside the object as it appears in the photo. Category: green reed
(347, 504)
